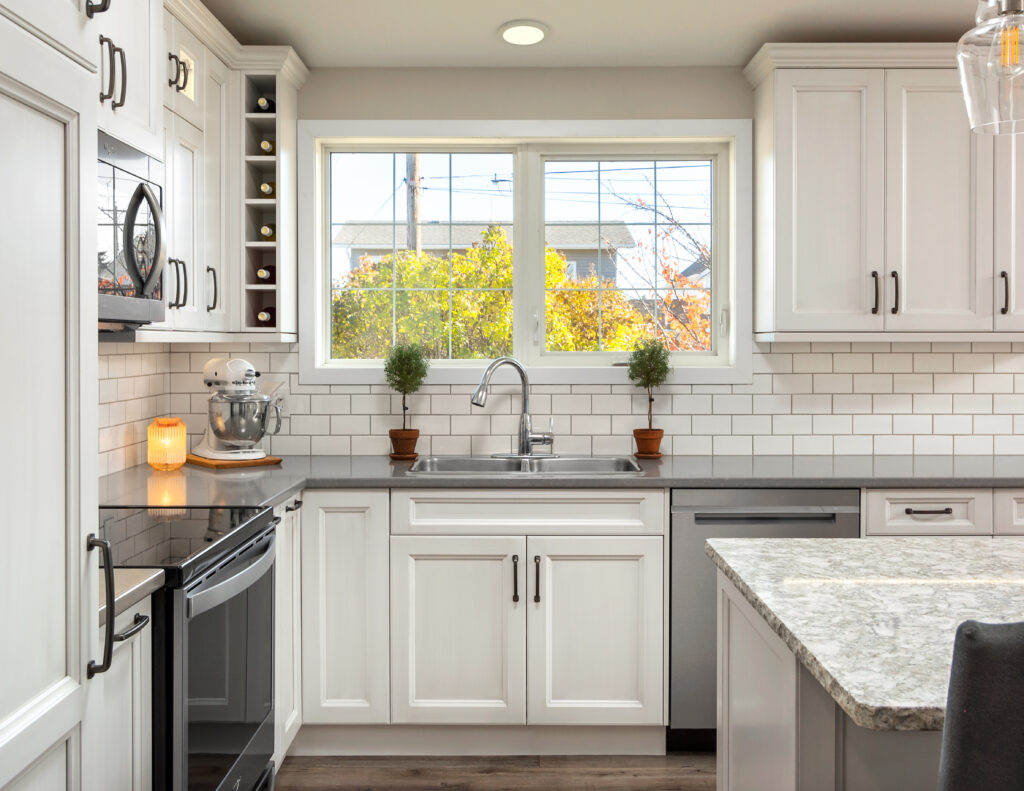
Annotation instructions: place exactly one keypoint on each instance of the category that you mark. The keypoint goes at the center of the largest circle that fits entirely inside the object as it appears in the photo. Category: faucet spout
(527, 439)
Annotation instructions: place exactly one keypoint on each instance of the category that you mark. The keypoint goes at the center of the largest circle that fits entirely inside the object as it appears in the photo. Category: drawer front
(928, 512)
(1008, 505)
(521, 512)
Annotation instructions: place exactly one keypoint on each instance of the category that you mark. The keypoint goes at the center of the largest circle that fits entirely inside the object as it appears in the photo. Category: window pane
(481, 324)
(361, 323)
(423, 256)
(482, 188)
(684, 191)
(366, 188)
(570, 191)
(423, 317)
(482, 257)
(572, 321)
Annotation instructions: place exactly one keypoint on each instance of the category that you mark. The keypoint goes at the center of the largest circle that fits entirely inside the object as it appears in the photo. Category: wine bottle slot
(265, 316)
(267, 146)
(268, 232)
(265, 273)
(268, 188)
(264, 104)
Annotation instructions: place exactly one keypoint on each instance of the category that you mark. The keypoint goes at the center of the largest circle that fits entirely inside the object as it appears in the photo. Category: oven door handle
(144, 192)
(205, 600)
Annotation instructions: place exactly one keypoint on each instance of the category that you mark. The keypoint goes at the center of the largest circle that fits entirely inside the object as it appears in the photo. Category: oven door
(228, 647)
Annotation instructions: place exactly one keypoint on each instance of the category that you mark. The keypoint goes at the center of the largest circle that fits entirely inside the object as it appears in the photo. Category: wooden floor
(675, 772)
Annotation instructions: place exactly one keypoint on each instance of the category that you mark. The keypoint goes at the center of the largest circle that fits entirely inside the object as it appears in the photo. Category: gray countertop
(254, 486)
(130, 587)
(874, 620)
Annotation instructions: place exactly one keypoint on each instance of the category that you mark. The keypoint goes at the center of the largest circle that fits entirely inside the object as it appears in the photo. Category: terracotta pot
(403, 442)
(648, 442)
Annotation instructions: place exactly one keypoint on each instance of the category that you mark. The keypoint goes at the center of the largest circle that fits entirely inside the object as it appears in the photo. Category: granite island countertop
(257, 486)
(873, 620)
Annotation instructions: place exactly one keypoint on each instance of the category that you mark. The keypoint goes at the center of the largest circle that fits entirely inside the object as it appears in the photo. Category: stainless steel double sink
(525, 465)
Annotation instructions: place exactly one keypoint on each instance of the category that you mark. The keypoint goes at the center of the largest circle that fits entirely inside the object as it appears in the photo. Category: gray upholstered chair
(983, 738)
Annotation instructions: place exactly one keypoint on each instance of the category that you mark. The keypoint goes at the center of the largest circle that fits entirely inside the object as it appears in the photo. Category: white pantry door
(458, 637)
(595, 637)
(47, 414)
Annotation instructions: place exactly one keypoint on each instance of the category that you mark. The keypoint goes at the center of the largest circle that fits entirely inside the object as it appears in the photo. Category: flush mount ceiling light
(524, 32)
(991, 64)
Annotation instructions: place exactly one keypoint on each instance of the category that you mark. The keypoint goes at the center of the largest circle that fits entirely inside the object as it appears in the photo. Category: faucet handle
(545, 437)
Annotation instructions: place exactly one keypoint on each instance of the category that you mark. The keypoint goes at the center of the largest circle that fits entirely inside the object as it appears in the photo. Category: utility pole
(414, 239)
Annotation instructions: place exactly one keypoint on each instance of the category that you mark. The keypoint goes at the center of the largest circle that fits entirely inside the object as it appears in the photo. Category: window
(561, 252)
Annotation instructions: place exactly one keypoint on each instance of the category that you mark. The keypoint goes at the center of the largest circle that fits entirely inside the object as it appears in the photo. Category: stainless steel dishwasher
(700, 514)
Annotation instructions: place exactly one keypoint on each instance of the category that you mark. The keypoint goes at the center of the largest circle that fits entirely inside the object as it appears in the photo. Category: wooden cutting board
(228, 464)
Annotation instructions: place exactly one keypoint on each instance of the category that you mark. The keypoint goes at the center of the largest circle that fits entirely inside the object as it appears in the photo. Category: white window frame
(727, 142)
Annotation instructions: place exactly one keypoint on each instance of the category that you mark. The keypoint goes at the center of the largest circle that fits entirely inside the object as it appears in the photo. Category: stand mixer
(238, 412)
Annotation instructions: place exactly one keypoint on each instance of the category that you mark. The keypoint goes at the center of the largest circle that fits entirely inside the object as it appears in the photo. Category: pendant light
(991, 62)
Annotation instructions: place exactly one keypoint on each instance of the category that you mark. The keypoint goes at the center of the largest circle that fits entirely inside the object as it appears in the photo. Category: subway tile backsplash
(828, 398)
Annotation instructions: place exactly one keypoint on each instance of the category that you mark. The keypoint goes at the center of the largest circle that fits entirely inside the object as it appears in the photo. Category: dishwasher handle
(733, 517)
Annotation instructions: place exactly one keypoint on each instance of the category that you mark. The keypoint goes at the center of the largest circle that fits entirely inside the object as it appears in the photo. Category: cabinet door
(1009, 234)
(62, 24)
(345, 607)
(186, 97)
(829, 202)
(288, 631)
(127, 718)
(184, 166)
(596, 651)
(135, 28)
(219, 256)
(939, 206)
(48, 259)
(459, 636)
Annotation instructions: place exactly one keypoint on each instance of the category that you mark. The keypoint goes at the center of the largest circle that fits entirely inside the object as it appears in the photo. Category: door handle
(536, 578)
(184, 276)
(91, 9)
(515, 578)
(137, 626)
(185, 71)
(124, 78)
(1006, 293)
(177, 69)
(874, 308)
(176, 302)
(213, 272)
(103, 545)
(896, 282)
(295, 506)
(205, 600)
(109, 92)
(144, 193)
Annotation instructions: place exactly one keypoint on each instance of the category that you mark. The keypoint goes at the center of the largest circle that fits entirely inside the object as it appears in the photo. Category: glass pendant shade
(166, 443)
(991, 62)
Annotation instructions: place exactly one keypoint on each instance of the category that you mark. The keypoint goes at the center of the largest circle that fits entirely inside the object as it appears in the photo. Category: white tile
(872, 424)
(833, 383)
(980, 403)
(691, 404)
(772, 404)
(852, 363)
(752, 424)
(832, 424)
(893, 363)
(872, 383)
(933, 403)
(933, 444)
(773, 445)
(734, 445)
(911, 424)
(330, 446)
(713, 424)
(893, 445)
(852, 445)
(977, 444)
(812, 445)
(953, 424)
(812, 363)
(819, 404)
(993, 383)
(732, 404)
(791, 424)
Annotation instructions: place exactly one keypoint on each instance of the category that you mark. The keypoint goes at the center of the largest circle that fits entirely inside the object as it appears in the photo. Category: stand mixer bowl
(240, 419)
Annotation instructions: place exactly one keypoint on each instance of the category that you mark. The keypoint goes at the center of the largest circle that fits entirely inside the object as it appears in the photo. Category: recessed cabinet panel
(595, 636)
(939, 204)
(288, 632)
(64, 26)
(925, 512)
(1008, 299)
(830, 222)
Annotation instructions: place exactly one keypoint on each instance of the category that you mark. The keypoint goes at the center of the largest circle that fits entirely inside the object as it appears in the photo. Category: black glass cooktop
(182, 541)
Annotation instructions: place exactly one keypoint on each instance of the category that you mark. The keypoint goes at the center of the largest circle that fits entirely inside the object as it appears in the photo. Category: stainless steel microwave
(131, 249)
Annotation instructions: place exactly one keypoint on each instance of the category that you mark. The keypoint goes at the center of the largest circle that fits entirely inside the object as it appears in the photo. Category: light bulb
(1004, 59)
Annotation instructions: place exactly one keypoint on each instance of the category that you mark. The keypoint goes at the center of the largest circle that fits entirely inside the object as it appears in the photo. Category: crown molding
(848, 56)
(281, 60)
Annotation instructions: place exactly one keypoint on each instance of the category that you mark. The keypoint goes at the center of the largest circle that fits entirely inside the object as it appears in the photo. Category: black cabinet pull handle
(295, 506)
(896, 282)
(184, 276)
(137, 626)
(124, 78)
(1006, 293)
(108, 583)
(185, 71)
(933, 512)
(177, 68)
(109, 92)
(176, 302)
(536, 579)
(91, 9)
(515, 578)
(874, 308)
(213, 272)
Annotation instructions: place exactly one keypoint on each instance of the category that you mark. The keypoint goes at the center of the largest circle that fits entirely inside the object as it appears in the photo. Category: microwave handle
(144, 193)
(205, 600)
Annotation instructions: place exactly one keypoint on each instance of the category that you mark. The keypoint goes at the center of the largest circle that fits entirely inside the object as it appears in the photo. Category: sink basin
(538, 465)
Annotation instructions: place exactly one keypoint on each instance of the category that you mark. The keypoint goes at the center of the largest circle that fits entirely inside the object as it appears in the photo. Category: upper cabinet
(874, 200)
(129, 46)
(68, 26)
(186, 71)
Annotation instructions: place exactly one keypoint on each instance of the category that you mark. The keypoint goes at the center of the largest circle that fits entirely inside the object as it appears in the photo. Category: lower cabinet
(126, 714)
(287, 629)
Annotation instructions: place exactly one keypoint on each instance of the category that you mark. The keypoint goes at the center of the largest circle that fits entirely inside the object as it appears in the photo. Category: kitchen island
(834, 656)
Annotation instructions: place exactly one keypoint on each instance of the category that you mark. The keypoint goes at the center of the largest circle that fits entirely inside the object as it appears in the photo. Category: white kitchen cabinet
(1008, 299)
(185, 63)
(458, 632)
(1008, 512)
(62, 24)
(47, 577)
(345, 638)
(220, 260)
(126, 708)
(287, 628)
(821, 223)
(130, 71)
(595, 636)
(939, 236)
(928, 512)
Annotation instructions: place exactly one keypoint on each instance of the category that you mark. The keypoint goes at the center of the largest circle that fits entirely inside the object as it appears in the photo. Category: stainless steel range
(213, 641)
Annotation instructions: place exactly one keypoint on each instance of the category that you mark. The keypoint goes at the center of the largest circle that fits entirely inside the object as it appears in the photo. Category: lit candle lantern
(166, 443)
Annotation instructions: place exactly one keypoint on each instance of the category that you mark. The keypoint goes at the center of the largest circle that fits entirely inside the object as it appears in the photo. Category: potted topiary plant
(648, 369)
(405, 369)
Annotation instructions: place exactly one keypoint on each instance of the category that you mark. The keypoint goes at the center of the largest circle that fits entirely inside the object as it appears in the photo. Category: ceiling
(432, 33)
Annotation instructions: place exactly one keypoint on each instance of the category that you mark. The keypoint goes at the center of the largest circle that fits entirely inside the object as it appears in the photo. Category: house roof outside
(381, 236)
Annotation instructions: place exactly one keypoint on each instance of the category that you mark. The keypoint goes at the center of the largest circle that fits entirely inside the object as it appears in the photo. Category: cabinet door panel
(1009, 234)
(939, 205)
(288, 631)
(185, 178)
(830, 182)
(595, 637)
(459, 638)
(188, 102)
(62, 24)
(345, 607)
(219, 258)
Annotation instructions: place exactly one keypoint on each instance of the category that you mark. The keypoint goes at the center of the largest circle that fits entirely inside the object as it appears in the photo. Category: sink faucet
(527, 437)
